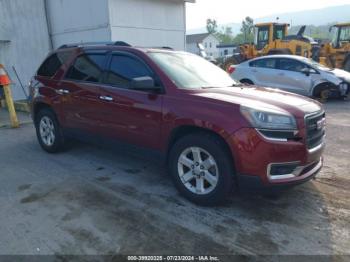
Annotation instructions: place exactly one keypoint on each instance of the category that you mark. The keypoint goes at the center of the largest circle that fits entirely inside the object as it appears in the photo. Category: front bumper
(255, 160)
(344, 89)
(247, 182)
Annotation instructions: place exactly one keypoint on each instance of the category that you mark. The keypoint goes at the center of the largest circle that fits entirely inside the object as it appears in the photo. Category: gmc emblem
(321, 124)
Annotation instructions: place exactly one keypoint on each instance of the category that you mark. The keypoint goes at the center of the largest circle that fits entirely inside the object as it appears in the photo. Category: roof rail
(117, 43)
(162, 47)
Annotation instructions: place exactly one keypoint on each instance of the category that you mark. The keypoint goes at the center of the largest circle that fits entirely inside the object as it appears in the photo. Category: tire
(48, 131)
(285, 51)
(347, 65)
(322, 92)
(247, 82)
(221, 169)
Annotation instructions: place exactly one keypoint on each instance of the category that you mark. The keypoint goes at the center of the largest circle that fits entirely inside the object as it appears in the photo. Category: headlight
(269, 119)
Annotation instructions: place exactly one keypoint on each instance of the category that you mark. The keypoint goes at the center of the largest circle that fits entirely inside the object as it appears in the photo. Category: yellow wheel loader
(273, 38)
(336, 54)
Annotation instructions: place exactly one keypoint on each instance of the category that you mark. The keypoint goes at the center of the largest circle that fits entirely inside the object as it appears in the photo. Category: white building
(29, 29)
(209, 42)
(227, 49)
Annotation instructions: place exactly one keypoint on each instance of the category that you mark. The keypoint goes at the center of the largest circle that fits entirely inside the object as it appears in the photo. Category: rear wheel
(247, 82)
(49, 133)
(201, 169)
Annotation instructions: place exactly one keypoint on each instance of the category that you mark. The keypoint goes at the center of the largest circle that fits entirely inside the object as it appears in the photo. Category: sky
(233, 11)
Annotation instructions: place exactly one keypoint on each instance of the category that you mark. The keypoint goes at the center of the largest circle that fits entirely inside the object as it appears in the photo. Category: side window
(279, 32)
(291, 65)
(123, 69)
(53, 63)
(88, 67)
(264, 63)
(263, 37)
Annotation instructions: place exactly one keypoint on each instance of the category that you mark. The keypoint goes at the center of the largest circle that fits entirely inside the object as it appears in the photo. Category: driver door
(129, 115)
(289, 76)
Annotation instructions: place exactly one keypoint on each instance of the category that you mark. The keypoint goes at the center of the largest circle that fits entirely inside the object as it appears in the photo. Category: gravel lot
(93, 200)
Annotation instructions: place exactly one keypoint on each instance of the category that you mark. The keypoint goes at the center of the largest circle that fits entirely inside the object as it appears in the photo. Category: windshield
(191, 71)
(334, 35)
(316, 65)
(344, 35)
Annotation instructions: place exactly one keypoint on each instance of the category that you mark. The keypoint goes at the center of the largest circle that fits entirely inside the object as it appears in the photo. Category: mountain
(236, 27)
(316, 17)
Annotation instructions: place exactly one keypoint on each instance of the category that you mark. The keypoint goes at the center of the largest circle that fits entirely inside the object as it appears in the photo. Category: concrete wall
(23, 23)
(138, 22)
(74, 21)
(25, 31)
(148, 22)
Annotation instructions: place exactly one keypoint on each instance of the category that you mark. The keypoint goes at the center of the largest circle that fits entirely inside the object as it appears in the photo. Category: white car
(294, 74)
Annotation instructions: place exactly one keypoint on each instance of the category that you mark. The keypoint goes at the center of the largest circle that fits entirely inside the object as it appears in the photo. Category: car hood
(342, 74)
(263, 98)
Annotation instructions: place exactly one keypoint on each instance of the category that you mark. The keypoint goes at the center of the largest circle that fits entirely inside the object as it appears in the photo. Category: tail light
(231, 69)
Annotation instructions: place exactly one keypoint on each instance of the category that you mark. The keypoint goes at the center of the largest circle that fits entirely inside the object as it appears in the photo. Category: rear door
(133, 116)
(264, 71)
(80, 91)
(291, 78)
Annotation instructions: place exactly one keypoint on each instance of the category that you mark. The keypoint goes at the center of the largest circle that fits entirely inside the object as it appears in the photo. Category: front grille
(315, 129)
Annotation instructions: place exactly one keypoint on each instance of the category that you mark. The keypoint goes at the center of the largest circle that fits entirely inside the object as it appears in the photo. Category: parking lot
(93, 200)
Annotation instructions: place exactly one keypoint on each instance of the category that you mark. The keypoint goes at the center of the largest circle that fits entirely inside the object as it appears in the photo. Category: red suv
(216, 134)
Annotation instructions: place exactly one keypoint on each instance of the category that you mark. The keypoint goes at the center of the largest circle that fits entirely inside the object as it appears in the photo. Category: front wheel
(48, 131)
(201, 169)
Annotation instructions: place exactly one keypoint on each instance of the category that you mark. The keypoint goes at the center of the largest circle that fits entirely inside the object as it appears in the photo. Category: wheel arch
(38, 106)
(247, 80)
(319, 86)
(185, 130)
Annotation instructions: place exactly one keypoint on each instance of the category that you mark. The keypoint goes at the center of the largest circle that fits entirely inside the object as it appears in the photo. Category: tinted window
(264, 63)
(291, 65)
(53, 63)
(123, 69)
(88, 67)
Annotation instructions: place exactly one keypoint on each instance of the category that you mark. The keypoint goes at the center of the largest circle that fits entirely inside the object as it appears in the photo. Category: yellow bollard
(5, 83)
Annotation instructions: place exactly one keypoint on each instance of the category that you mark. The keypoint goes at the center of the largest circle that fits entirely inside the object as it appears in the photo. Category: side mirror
(308, 71)
(144, 83)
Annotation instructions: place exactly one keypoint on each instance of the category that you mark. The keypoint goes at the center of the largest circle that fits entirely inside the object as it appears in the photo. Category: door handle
(280, 74)
(62, 91)
(107, 98)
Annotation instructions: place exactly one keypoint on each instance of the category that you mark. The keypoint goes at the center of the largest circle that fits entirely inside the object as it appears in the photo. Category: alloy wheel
(47, 131)
(198, 170)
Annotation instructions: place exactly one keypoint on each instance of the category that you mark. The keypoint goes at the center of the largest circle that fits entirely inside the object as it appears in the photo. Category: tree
(225, 35)
(247, 29)
(212, 26)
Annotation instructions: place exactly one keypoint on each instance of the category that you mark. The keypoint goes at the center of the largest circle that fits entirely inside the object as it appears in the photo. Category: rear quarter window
(87, 68)
(53, 63)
